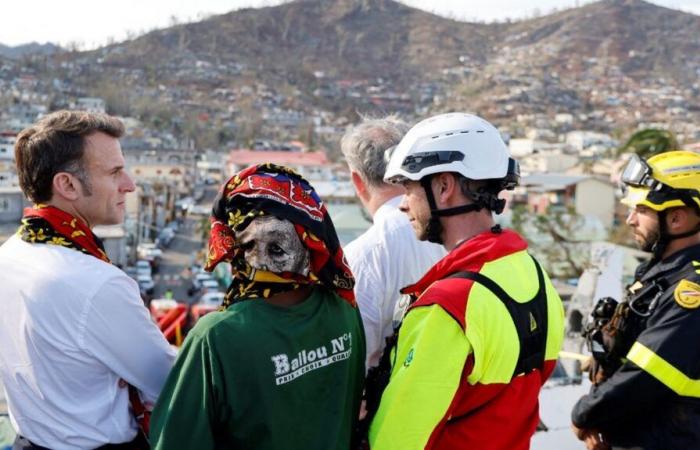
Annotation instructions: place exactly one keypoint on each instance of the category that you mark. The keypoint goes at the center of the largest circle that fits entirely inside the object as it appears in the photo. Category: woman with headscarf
(282, 365)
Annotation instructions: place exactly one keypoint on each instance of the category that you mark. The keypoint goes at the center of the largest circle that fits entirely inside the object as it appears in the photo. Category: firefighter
(649, 396)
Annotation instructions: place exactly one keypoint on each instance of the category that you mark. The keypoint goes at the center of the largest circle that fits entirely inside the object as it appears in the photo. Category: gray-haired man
(387, 256)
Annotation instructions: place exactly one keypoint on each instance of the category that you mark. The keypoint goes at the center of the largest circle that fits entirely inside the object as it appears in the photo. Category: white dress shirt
(72, 326)
(384, 259)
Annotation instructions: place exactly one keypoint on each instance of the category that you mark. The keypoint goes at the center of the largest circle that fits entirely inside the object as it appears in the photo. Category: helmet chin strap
(658, 248)
(434, 228)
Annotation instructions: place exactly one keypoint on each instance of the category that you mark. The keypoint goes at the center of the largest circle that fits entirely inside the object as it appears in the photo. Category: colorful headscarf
(268, 189)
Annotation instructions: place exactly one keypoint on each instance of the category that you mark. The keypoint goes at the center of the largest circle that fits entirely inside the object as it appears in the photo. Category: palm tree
(649, 142)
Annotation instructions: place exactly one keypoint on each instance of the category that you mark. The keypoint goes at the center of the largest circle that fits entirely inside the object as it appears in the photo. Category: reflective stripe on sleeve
(660, 369)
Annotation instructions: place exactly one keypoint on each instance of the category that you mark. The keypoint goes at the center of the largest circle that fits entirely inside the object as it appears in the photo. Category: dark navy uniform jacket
(653, 400)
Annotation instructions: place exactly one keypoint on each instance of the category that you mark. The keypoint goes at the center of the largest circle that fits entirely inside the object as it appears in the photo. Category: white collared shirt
(72, 326)
(384, 259)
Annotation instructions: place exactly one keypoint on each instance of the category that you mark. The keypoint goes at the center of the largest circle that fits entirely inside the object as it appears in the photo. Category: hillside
(279, 70)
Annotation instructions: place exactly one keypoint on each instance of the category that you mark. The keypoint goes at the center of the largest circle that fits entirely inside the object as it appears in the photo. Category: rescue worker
(486, 325)
(652, 399)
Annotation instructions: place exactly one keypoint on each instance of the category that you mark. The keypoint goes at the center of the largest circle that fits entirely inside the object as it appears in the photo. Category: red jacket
(476, 402)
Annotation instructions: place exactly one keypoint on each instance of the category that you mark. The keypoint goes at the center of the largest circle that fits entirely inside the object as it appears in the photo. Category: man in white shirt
(387, 256)
(75, 338)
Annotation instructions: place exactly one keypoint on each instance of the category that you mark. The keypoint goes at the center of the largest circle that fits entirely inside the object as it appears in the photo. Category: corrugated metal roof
(552, 180)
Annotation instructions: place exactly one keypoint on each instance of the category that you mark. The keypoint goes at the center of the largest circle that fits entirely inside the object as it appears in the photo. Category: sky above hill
(88, 24)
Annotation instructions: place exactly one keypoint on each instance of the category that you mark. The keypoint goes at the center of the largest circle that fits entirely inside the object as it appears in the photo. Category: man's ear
(66, 186)
(359, 185)
(444, 185)
(678, 220)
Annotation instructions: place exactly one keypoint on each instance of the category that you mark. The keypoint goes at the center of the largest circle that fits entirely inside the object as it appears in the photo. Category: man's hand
(595, 371)
(592, 438)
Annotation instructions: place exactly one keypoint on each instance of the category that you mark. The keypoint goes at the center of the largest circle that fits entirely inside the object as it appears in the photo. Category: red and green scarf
(268, 189)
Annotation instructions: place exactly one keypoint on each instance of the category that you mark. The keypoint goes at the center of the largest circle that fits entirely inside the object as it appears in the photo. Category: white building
(7, 148)
(114, 240)
(547, 162)
(522, 147)
(581, 140)
(12, 203)
(587, 195)
(91, 104)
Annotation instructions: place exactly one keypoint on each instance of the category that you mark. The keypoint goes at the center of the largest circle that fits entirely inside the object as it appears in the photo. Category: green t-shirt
(259, 376)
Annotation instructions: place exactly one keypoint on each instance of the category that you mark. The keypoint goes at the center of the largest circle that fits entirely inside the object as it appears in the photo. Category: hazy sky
(92, 23)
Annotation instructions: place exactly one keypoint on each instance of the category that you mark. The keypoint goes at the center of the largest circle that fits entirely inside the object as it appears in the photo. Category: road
(187, 248)
(177, 258)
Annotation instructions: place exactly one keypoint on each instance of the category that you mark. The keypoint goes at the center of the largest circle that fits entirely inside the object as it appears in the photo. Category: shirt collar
(673, 262)
(387, 208)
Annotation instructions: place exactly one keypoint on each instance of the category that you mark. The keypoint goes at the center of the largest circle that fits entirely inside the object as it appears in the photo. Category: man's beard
(430, 230)
(647, 242)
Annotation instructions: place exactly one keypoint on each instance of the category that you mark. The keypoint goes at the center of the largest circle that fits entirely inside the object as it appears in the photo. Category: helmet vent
(464, 131)
(479, 131)
(435, 137)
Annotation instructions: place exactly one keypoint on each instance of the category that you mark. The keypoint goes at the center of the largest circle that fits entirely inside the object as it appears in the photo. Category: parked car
(210, 285)
(200, 281)
(208, 302)
(143, 267)
(146, 283)
(165, 237)
(212, 298)
(200, 210)
(148, 251)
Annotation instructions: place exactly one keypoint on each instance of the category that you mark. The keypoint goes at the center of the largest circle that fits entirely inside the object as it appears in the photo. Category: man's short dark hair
(56, 143)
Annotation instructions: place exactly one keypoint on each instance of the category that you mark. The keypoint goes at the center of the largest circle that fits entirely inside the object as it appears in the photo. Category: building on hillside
(331, 181)
(7, 146)
(114, 239)
(12, 203)
(311, 165)
(522, 147)
(91, 104)
(585, 194)
(589, 140)
(547, 162)
(22, 115)
(177, 175)
(8, 175)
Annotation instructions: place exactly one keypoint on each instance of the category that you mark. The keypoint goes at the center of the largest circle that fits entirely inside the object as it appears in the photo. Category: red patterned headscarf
(268, 189)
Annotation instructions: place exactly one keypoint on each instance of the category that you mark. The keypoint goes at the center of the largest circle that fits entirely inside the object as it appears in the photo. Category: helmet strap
(662, 242)
(434, 228)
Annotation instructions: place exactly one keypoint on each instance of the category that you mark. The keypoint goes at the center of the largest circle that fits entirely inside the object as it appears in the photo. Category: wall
(596, 198)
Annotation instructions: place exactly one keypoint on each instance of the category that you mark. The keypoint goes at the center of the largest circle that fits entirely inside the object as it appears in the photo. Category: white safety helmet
(454, 142)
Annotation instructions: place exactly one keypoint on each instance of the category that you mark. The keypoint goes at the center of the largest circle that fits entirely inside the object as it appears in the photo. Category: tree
(552, 236)
(649, 142)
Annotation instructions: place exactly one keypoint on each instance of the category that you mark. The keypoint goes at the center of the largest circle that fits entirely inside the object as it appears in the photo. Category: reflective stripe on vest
(663, 371)
(530, 319)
